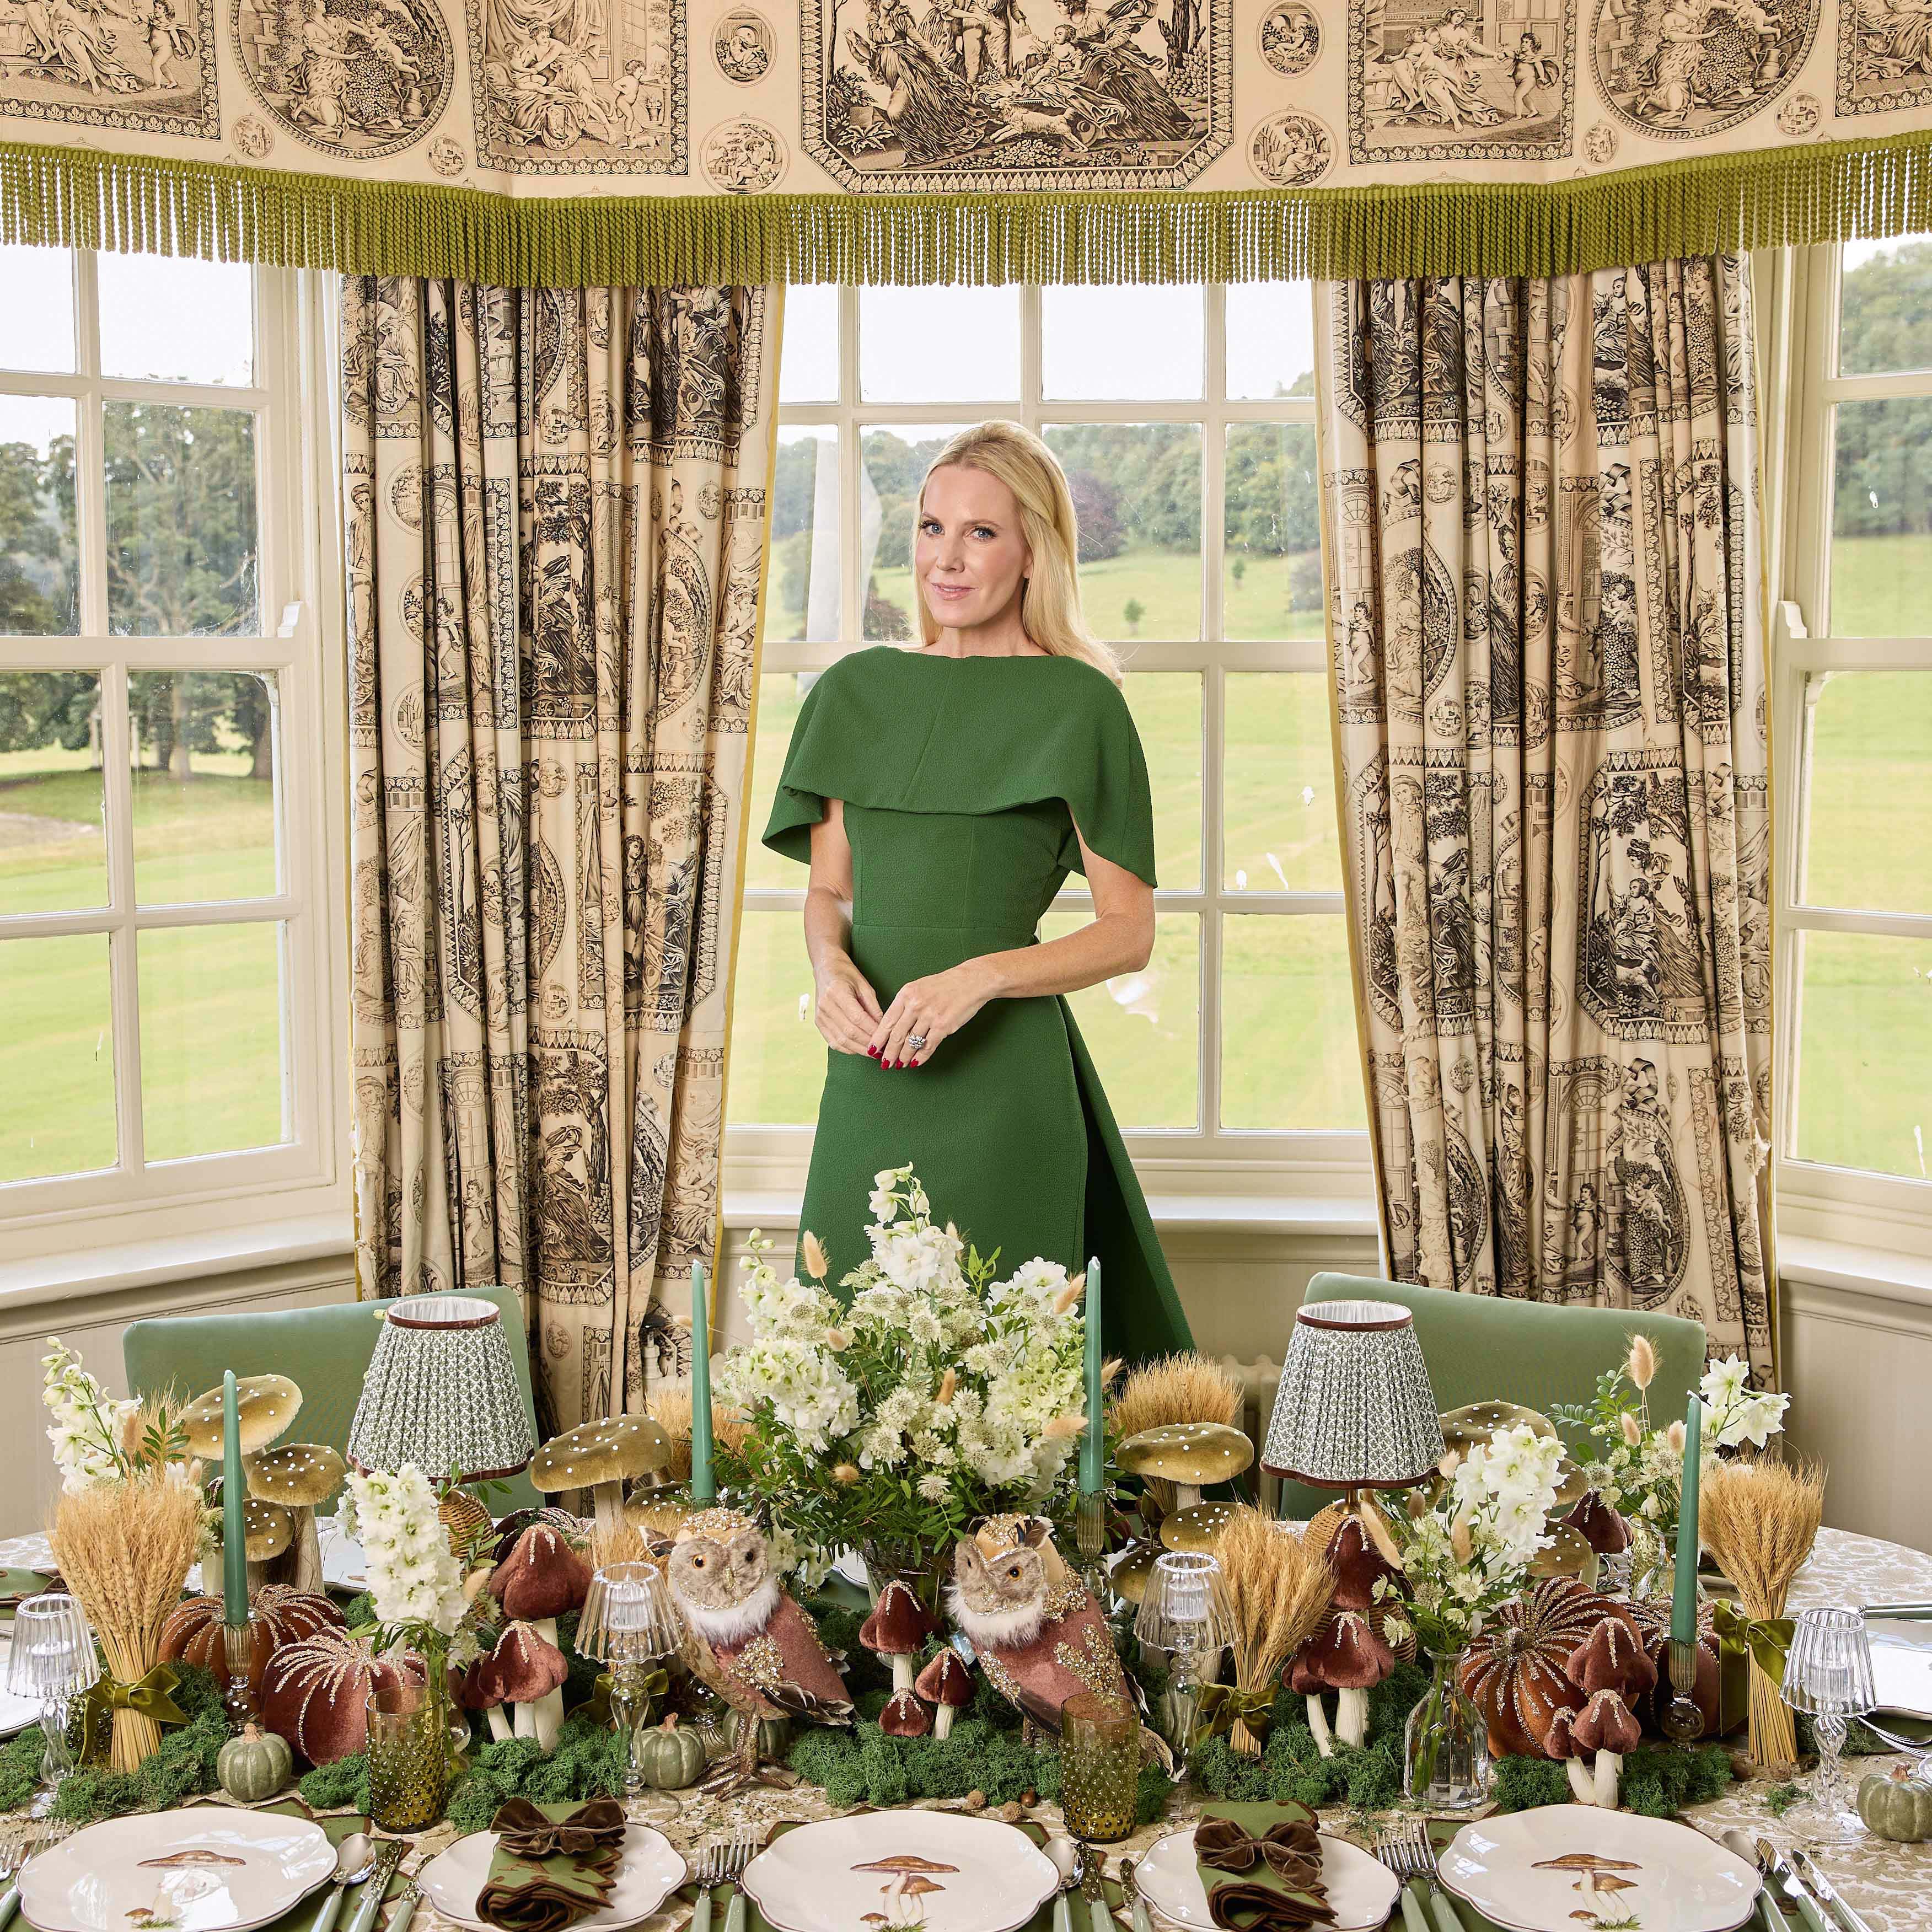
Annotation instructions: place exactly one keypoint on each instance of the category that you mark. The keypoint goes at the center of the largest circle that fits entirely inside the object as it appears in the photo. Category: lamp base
(1361, 1504)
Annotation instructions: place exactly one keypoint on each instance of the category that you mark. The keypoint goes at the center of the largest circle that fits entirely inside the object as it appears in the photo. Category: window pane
(940, 345)
(778, 1058)
(211, 1053)
(202, 749)
(1881, 514)
(1280, 834)
(893, 464)
(1271, 562)
(1884, 307)
(1137, 489)
(36, 319)
(1166, 707)
(1868, 793)
(40, 570)
(171, 319)
(780, 694)
(56, 1057)
(808, 358)
(801, 581)
(1289, 1055)
(53, 853)
(1120, 343)
(180, 521)
(1865, 1062)
(1143, 1028)
(1271, 339)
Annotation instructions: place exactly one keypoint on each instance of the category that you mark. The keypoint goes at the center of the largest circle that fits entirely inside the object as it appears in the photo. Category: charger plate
(648, 1873)
(960, 1874)
(1361, 1890)
(203, 1869)
(1562, 1866)
(1901, 1652)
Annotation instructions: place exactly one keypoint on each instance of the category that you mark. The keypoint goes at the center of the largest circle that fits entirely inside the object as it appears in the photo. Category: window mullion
(851, 460)
(90, 455)
(1214, 714)
(124, 991)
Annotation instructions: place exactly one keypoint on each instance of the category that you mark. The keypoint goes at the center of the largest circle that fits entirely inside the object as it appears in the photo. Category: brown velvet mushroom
(897, 1628)
(1358, 1568)
(1601, 1527)
(947, 1684)
(1349, 1655)
(1559, 1742)
(1613, 1667)
(904, 1716)
(528, 1669)
(480, 1688)
(540, 1578)
(1607, 1725)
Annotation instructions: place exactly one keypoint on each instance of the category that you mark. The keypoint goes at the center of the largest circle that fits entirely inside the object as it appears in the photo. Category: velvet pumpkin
(315, 1694)
(253, 1766)
(1513, 1672)
(192, 1633)
(1896, 1806)
(671, 1757)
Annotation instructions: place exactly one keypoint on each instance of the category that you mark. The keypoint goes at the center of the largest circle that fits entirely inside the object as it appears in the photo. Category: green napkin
(547, 1874)
(1260, 1866)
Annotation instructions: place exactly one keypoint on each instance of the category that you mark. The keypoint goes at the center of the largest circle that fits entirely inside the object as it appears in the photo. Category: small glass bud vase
(1445, 1756)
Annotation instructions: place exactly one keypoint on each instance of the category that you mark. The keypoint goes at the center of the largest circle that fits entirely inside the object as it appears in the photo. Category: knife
(1828, 1892)
(1799, 1892)
(405, 1907)
(376, 1887)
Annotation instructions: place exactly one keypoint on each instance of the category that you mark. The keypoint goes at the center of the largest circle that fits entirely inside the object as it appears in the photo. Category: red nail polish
(871, 1053)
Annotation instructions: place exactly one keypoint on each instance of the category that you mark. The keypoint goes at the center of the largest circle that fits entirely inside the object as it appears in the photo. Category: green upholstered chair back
(1484, 1347)
(325, 1351)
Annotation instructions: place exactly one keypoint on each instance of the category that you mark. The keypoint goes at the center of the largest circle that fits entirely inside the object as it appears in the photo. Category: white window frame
(1207, 1159)
(1799, 312)
(301, 642)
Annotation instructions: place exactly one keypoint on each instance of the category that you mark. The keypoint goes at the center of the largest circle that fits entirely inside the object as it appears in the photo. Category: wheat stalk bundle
(123, 1547)
(1758, 1521)
(1271, 1597)
(1174, 1388)
(670, 1408)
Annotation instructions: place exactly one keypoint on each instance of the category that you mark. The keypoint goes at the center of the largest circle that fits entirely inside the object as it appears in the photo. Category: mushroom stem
(1318, 1723)
(1608, 1768)
(942, 1723)
(903, 1673)
(1584, 1792)
(548, 1707)
(304, 1560)
(607, 1500)
(1352, 1716)
(526, 1720)
(1186, 1495)
(500, 1725)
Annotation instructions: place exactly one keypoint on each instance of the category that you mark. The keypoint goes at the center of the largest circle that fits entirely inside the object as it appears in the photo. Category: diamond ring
(915, 1041)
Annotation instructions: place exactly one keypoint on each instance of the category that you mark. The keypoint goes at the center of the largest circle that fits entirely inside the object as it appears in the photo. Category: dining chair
(1481, 1348)
(324, 1351)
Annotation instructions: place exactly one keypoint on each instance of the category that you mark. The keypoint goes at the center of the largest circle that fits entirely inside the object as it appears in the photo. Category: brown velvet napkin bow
(1286, 1893)
(546, 1874)
(524, 1831)
(1291, 1851)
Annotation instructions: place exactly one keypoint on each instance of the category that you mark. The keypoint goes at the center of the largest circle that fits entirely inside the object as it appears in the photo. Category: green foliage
(1658, 1780)
(343, 1785)
(1291, 1766)
(589, 1762)
(1780, 1798)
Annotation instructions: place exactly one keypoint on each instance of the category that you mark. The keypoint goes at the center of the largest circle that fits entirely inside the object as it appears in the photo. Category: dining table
(1890, 1884)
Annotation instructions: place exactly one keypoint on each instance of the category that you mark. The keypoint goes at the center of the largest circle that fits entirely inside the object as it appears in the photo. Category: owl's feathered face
(722, 1582)
(998, 1599)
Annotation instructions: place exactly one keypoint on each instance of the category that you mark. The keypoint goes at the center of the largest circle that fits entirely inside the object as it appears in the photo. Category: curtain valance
(626, 142)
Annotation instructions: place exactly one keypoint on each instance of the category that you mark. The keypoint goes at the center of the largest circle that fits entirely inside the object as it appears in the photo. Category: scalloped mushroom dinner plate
(1571, 1868)
(203, 1869)
(1361, 1890)
(648, 1873)
(887, 1870)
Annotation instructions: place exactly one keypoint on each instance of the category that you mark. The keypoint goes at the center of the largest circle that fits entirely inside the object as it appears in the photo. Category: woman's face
(971, 557)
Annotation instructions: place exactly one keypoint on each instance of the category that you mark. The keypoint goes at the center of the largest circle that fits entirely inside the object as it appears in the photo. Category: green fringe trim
(1708, 204)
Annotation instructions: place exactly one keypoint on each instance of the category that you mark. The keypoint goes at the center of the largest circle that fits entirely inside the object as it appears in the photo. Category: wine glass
(1177, 1615)
(1828, 1676)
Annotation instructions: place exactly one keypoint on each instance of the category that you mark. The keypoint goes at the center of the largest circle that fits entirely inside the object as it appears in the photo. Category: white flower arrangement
(414, 1576)
(937, 1395)
(1734, 1412)
(98, 1437)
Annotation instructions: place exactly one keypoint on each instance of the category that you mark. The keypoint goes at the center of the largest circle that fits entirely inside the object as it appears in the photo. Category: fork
(12, 1855)
(1391, 1853)
(707, 1868)
(736, 1855)
(1419, 1861)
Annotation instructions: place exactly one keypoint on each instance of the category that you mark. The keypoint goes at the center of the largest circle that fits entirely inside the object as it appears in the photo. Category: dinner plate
(16, 1712)
(1362, 1890)
(939, 1870)
(203, 1869)
(1901, 1653)
(648, 1873)
(1562, 1866)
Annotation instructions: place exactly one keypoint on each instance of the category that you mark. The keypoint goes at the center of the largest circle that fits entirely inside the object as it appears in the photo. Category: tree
(1097, 506)
(1237, 570)
(1883, 458)
(1133, 610)
(884, 621)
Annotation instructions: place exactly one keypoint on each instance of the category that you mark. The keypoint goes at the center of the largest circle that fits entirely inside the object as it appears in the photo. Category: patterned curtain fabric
(556, 529)
(1548, 668)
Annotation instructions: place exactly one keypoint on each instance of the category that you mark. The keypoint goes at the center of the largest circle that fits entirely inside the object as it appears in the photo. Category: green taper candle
(704, 1483)
(234, 1492)
(1094, 1444)
(1683, 1598)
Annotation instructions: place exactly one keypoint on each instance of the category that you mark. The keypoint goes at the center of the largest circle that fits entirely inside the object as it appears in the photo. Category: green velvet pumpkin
(671, 1757)
(1897, 1806)
(253, 1766)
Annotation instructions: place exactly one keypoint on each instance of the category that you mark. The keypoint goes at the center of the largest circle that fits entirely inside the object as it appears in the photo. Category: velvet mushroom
(904, 1716)
(1559, 1742)
(1599, 1524)
(267, 1530)
(947, 1684)
(602, 1456)
(295, 1478)
(1613, 1667)
(1347, 1654)
(1198, 1527)
(527, 1671)
(898, 1629)
(1364, 1577)
(480, 1688)
(540, 1580)
(265, 1406)
(1185, 1457)
(1607, 1725)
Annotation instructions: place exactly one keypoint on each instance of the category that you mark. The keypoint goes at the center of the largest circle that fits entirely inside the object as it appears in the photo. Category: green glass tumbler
(409, 1759)
(1099, 1767)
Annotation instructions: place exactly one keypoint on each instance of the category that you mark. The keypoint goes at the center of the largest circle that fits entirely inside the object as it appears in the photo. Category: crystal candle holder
(1177, 1615)
(628, 1622)
(52, 1658)
(1828, 1676)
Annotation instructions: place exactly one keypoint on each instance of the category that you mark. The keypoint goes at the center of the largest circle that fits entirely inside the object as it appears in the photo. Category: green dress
(962, 779)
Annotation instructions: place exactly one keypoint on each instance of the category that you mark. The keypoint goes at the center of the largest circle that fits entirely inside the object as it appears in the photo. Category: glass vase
(1445, 1756)
(408, 1757)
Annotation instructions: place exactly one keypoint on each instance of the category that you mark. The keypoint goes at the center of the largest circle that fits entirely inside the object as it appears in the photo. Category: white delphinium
(414, 1576)
(89, 1424)
(1734, 1412)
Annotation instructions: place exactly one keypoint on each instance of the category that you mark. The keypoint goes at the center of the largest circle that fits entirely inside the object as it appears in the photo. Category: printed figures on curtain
(360, 79)
(145, 65)
(966, 94)
(1548, 665)
(579, 86)
(1677, 69)
(555, 522)
(1885, 56)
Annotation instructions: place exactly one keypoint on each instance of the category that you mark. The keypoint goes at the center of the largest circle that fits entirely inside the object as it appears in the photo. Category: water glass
(1177, 1615)
(409, 1759)
(1828, 1677)
(52, 1657)
(1099, 1767)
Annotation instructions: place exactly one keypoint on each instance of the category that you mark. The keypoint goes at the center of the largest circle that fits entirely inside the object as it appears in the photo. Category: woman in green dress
(940, 797)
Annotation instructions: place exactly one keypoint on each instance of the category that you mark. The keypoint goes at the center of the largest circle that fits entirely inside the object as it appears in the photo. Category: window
(1853, 705)
(160, 732)
(1185, 418)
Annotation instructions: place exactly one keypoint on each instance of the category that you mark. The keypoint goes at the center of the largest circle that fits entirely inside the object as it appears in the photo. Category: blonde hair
(1050, 608)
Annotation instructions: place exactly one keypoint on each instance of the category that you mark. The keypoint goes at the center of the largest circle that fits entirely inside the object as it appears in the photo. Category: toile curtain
(555, 508)
(1549, 683)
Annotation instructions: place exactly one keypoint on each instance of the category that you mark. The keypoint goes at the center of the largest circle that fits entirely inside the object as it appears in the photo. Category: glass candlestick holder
(628, 1623)
(1178, 1615)
(52, 1659)
(245, 1655)
(1681, 1720)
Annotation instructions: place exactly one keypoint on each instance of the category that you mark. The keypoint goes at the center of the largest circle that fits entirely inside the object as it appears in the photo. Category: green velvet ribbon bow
(147, 1694)
(1764, 1639)
(597, 1705)
(1224, 1705)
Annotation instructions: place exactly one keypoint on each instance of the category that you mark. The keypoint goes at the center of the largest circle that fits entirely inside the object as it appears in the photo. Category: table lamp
(442, 1393)
(1354, 1411)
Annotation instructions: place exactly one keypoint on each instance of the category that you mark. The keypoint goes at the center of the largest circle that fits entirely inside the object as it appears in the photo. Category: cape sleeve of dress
(879, 731)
